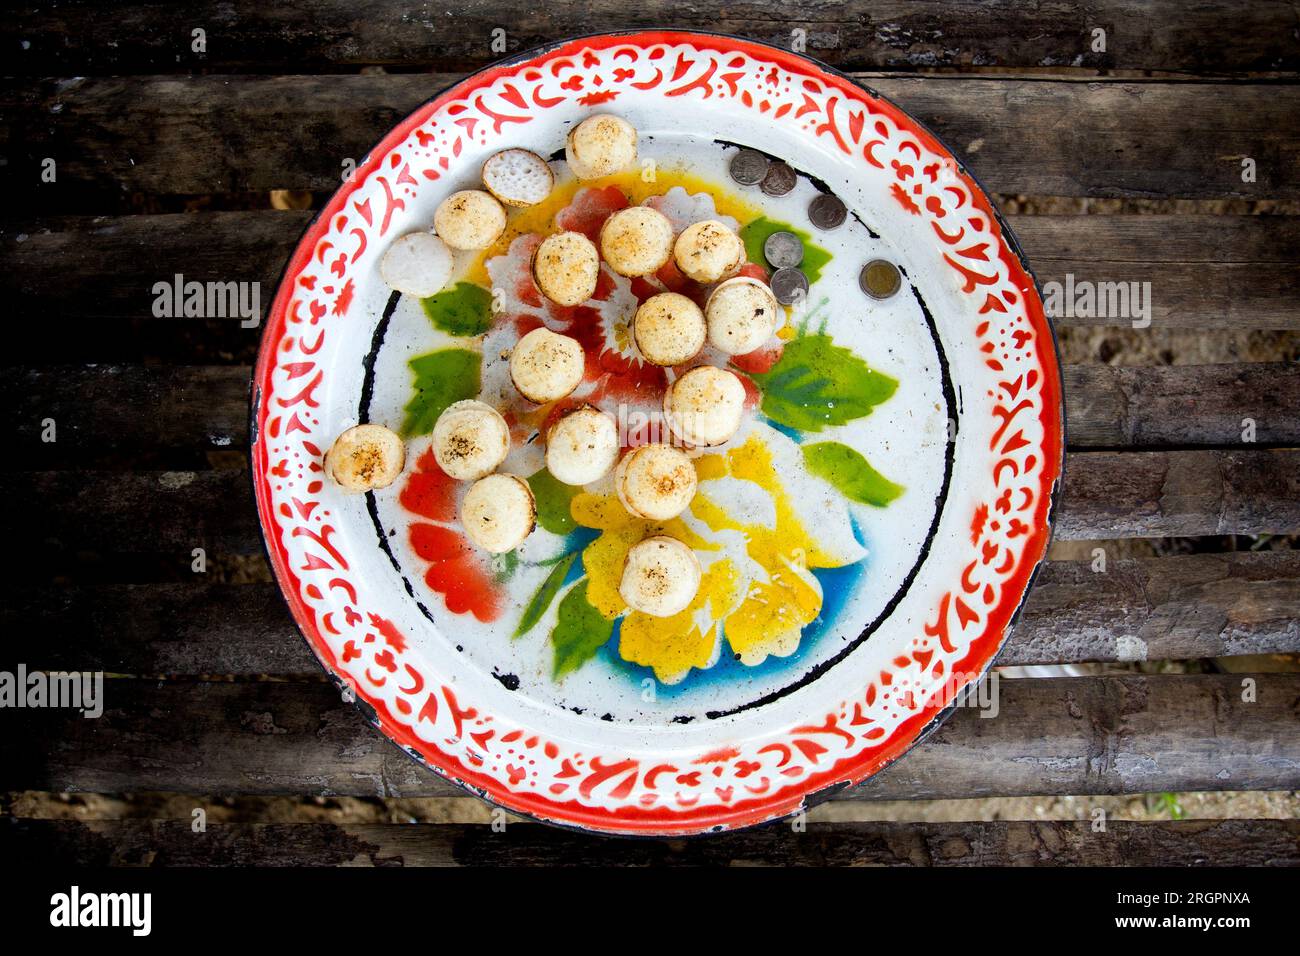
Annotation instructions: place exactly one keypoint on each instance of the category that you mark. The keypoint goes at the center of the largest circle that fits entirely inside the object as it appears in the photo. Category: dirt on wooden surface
(1284, 805)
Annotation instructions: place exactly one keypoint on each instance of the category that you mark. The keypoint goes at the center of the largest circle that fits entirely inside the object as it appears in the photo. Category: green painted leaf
(441, 378)
(580, 631)
(545, 595)
(850, 473)
(818, 384)
(464, 309)
(755, 234)
(553, 500)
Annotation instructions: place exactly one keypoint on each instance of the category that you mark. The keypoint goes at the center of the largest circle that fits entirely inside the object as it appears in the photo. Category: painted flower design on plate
(773, 523)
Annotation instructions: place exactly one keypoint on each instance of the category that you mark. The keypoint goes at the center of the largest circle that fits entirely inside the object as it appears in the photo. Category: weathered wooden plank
(1205, 271)
(1082, 735)
(325, 35)
(1194, 239)
(142, 512)
(1192, 606)
(127, 413)
(187, 629)
(1182, 405)
(1105, 495)
(105, 267)
(142, 415)
(206, 134)
(1151, 494)
(1205, 605)
(1001, 843)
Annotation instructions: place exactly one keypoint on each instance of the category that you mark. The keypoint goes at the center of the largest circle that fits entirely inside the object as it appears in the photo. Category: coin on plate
(789, 286)
(748, 167)
(880, 279)
(778, 180)
(827, 212)
(783, 250)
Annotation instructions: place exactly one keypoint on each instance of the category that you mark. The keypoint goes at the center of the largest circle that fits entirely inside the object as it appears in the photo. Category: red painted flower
(589, 209)
(457, 570)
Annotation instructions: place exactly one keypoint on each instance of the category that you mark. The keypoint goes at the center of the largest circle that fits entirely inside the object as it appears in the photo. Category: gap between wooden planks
(1002, 843)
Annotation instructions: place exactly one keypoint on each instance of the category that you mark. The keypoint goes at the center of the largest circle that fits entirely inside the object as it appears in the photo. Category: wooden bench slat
(1192, 606)
(1205, 605)
(107, 410)
(1081, 735)
(231, 134)
(1156, 494)
(103, 410)
(1105, 495)
(1205, 271)
(1181, 405)
(324, 35)
(1000, 843)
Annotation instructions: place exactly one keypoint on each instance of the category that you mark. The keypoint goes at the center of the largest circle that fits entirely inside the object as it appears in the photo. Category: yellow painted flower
(757, 591)
(673, 645)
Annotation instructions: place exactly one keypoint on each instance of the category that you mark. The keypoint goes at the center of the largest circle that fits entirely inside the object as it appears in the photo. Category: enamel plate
(865, 539)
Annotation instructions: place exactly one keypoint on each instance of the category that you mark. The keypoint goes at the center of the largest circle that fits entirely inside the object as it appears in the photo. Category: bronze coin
(880, 279)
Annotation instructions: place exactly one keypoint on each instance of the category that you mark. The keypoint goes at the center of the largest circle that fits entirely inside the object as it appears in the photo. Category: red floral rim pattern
(759, 778)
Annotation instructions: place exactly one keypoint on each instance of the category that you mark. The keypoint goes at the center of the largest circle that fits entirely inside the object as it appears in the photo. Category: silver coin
(880, 279)
(827, 212)
(779, 179)
(789, 286)
(783, 250)
(748, 167)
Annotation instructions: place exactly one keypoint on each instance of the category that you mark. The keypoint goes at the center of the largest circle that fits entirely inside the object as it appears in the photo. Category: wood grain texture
(119, 412)
(325, 35)
(1079, 735)
(1193, 606)
(207, 134)
(1181, 405)
(1105, 495)
(143, 415)
(1205, 272)
(1156, 494)
(1003, 843)
(1205, 605)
